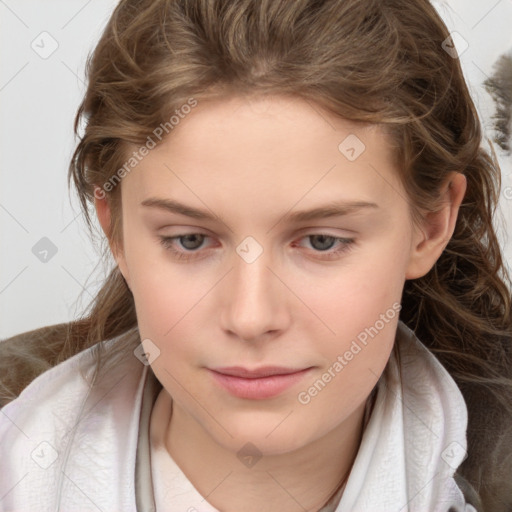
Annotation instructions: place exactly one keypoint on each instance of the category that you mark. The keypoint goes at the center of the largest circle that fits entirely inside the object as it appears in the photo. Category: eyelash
(346, 246)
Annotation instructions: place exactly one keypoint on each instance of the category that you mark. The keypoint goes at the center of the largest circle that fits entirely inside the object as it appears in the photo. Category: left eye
(193, 241)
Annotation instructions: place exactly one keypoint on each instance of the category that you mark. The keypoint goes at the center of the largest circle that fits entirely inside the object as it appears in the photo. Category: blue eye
(192, 242)
(345, 244)
(168, 243)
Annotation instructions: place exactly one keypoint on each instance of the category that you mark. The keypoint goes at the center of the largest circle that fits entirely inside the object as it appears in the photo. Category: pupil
(187, 238)
(323, 238)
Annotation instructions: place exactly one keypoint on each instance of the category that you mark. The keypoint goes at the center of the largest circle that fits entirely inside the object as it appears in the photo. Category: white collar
(414, 441)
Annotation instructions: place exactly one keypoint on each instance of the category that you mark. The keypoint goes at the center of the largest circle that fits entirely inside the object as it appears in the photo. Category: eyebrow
(331, 209)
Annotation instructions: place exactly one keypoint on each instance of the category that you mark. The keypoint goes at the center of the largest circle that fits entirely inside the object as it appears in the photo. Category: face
(250, 283)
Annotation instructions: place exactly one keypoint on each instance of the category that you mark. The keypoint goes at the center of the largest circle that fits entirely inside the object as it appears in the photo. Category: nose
(255, 300)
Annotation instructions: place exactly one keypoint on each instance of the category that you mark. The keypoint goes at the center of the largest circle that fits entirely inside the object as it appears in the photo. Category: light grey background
(39, 95)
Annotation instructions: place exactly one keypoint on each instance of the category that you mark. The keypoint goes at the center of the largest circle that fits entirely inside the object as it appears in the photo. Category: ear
(102, 207)
(432, 237)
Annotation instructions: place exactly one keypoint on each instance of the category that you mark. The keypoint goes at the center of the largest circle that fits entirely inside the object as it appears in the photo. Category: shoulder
(62, 424)
(27, 355)
(47, 382)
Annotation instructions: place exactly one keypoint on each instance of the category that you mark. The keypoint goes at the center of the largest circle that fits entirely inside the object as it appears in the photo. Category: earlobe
(430, 240)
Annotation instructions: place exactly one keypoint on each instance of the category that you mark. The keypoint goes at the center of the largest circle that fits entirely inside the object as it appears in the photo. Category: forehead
(281, 122)
(278, 148)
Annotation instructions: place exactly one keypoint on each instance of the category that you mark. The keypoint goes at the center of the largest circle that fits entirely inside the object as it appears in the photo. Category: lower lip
(258, 389)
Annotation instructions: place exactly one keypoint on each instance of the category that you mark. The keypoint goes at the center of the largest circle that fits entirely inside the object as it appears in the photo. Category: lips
(265, 371)
(257, 384)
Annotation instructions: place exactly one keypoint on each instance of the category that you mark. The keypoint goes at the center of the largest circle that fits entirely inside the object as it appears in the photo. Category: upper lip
(264, 371)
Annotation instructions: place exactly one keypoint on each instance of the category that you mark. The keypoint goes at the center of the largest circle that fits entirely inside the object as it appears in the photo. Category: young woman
(309, 308)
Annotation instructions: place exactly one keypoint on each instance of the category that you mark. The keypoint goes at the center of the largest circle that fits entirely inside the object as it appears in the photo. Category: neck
(304, 479)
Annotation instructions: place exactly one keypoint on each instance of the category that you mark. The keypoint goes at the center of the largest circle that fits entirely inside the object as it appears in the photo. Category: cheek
(167, 309)
(354, 295)
(170, 300)
(164, 301)
(163, 290)
(359, 309)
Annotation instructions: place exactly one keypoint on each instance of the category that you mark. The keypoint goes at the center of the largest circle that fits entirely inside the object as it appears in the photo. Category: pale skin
(250, 163)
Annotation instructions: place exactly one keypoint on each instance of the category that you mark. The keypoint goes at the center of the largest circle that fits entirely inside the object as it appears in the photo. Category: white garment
(67, 447)
(173, 491)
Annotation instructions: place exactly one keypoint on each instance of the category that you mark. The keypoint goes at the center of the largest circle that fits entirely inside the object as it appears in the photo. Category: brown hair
(374, 61)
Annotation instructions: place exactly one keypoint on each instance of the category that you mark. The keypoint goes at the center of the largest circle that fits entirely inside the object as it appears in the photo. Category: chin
(268, 438)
